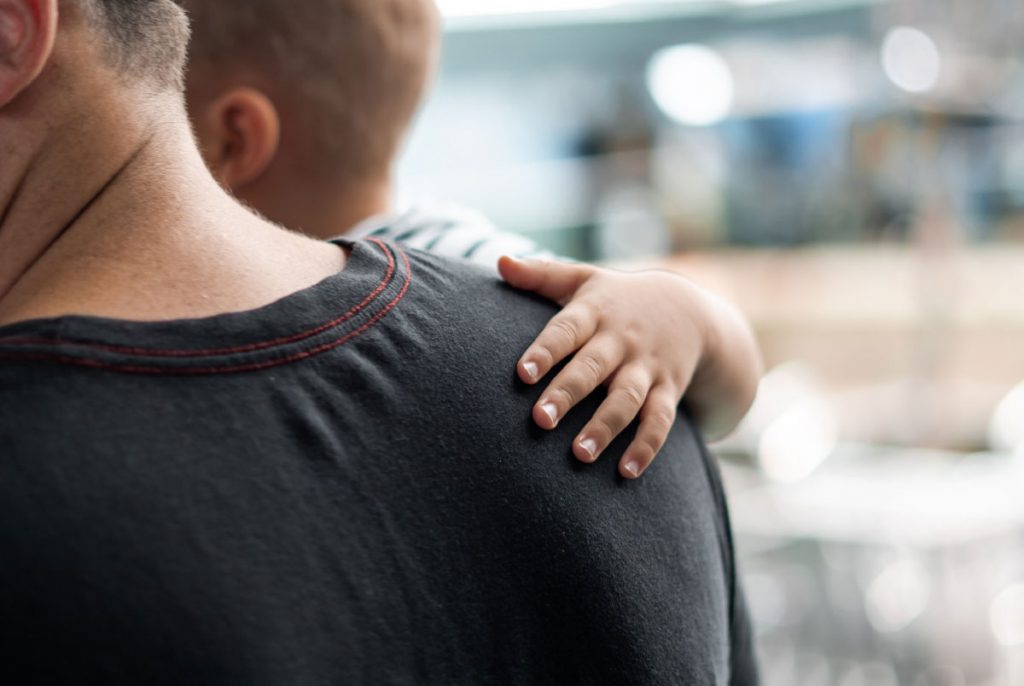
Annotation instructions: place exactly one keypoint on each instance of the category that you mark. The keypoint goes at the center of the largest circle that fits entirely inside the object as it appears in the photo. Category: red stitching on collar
(255, 366)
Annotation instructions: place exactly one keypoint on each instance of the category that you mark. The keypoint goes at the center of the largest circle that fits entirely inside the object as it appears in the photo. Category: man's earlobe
(247, 131)
(28, 29)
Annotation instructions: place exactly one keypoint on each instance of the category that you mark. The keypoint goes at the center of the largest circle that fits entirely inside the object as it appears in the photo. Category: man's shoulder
(44, 405)
(472, 296)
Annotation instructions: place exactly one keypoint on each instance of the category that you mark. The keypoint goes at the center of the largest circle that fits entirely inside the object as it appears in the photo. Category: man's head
(76, 71)
(291, 99)
(66, 64)
(142, 40)
(85, 85)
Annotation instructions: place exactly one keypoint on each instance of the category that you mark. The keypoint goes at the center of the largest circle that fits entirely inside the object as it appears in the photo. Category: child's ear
(239, 133)
(28, 29)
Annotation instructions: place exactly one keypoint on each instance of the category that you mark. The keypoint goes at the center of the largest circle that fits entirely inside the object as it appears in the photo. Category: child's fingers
(566, 333)
(587, 370)
(656, 420)
(556, 281)
(625, 398)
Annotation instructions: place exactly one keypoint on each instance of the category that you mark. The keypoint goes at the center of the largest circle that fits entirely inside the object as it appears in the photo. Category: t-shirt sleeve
(743, 669)
(743, 657)
(455, 232)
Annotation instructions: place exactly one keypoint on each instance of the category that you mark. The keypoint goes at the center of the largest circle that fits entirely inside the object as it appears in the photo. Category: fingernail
(633, 468)
(551, 411)
(531, 370)
(589, 446)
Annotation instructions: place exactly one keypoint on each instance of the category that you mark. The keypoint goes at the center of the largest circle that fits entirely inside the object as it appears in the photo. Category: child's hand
(651, 336)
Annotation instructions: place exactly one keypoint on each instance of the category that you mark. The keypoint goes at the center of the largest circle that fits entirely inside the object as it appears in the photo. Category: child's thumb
(556, 281)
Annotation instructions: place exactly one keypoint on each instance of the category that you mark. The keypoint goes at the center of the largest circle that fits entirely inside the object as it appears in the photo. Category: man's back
(343, 487)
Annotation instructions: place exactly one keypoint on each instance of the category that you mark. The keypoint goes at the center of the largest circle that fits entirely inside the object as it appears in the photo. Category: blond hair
(355, 70)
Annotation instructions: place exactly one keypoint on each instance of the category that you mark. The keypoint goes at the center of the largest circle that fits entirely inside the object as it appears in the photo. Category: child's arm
(653, 337)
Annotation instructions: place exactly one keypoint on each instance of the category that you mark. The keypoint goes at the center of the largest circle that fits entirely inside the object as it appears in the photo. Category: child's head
(302, 106)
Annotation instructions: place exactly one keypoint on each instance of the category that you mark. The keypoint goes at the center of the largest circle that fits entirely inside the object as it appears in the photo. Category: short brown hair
(355, 70)
(146, 39)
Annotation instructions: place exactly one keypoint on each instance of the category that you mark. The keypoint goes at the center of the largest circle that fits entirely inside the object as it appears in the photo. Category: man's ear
(28, 29)
(239, 134)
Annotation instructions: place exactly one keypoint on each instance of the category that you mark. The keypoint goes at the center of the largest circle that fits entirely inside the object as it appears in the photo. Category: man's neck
(50, 190)
(122, 220)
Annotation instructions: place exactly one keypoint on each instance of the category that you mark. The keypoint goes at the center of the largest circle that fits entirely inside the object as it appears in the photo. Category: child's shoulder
(449, 230)
(423, 220)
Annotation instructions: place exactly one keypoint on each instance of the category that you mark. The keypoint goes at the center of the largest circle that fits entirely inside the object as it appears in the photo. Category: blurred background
(851, 173)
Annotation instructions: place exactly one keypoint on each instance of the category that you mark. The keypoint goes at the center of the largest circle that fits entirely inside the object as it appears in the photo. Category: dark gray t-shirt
(344, 487)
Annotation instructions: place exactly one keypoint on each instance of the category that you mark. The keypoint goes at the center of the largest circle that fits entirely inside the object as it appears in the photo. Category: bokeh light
(911, 59)
(798, 442)
(897, 596)
(1006, 430)
(691, 84)
(1007, 616)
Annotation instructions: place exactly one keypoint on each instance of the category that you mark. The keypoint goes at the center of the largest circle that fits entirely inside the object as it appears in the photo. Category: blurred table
(937, 338)
(887, 566)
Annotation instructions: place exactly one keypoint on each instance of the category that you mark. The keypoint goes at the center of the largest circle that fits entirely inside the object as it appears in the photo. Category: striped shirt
(450, 231)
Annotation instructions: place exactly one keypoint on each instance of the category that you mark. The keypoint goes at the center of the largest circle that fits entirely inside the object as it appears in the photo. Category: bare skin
(247, 131)
(650, 338)
(106, 206)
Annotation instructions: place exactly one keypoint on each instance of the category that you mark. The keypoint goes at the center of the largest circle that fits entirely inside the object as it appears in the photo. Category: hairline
(144, 40)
